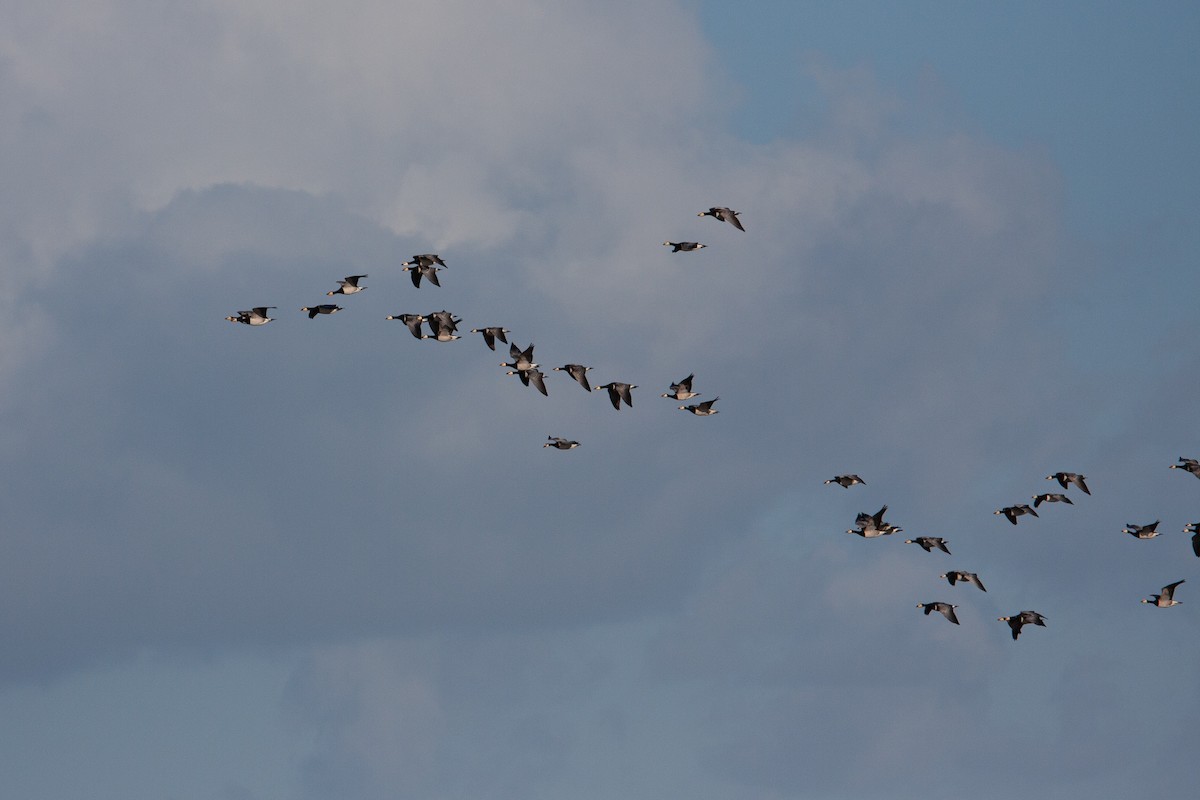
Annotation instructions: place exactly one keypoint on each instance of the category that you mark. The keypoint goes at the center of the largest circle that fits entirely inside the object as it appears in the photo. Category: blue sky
(320, 559)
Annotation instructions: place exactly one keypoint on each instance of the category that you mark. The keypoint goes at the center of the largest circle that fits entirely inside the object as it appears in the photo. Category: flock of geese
(443, 327)
(870, 526)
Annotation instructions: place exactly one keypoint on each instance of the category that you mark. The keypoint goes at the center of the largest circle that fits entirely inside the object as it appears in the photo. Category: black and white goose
(845, 481)
(413, 321)
(532, 376)
(618, 392)
(704, 409)
(685, 247)
(348, 286)
(1012, 512)
(1018, 621)
(945, 609)
(321, 309)
(578, 372)
(1188, 464)
(1038, 499)
(491, 334)
(1142, 531)
(418, 271)
(1066, 479)
(521, 359)
(957, 576)
(927, 543)
(442, 326)
(1167, 598)
(724, 215)
(560, 443)
(424, 260)
(871, 526)
(254, 316)
(682, 390)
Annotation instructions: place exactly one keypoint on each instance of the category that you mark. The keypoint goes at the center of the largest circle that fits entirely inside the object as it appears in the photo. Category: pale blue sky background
(324, 560)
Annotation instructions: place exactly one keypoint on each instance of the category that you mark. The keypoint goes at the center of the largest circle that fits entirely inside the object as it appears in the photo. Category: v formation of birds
(443, 327)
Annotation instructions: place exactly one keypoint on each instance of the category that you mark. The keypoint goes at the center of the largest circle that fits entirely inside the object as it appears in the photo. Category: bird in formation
(1038, 499)
(928, 543)
(704, 409)
(1189, 464)
(1018, 621)
(618, 392)
(424, 260)
(560, 443)
(1012, 512)
(321, 309)
(845, 481)
(255, 316)
(871, 526)
(686, 247)
(1142, 531)
(521, 359)
(1167, 598)
(531, 377)
(490, 335)
(955, 576)
(442, 326)
(413, 321)
(419, 271)
(578, 372)
(682, 390)
(725, 215)
(348, 285)
(945, 609)
(1066, 479)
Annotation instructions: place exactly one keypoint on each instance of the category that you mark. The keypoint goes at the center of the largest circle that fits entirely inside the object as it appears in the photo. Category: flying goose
(1142, 531)
(686, 247)
(965, 577)
(946, 609)
(1066, 478)
(348, 286)
(255, 316)
(683, 389)
(490, 335)
(413, 321)
(1038, 499)
(578, 372)
(1167, 598)
(927, 543)
(561, 443)
(704, 409)
(531, 376)
(871, 526)
(1189, 464)
(521, 359)
(1012, 512)
(443, 325)
(418, 271)
(1017, 621)
(617, 392)
(845, 481)
(424, 260)
(322, 309)
(724, 215)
